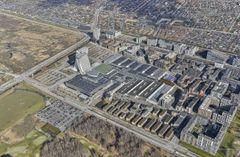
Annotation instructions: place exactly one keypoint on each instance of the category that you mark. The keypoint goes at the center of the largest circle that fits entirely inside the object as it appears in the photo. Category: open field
(17, 104)
(4, 78)
(230, 144)
(28, 147)
(18, 136)
(24, 43)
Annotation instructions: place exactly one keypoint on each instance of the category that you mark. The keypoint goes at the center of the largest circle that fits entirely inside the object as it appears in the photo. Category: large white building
(82, 63)
(96, 33)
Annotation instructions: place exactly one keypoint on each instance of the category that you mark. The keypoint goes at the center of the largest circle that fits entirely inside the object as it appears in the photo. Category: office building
(82, 63)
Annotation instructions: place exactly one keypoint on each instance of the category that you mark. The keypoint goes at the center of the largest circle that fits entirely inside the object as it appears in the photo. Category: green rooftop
(104, 68)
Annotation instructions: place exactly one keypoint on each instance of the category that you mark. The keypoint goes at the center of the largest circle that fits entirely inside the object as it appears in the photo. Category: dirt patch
(25, 43)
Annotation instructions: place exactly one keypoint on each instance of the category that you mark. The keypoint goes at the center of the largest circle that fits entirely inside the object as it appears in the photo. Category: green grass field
(195, 150)
(48, 128)
(17, 105)
(28, 147)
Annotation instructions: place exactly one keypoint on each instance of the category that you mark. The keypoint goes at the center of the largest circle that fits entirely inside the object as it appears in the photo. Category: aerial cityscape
(119, 78)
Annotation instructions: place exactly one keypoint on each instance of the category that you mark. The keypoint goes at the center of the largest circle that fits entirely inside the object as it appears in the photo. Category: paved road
(154, 139)
(45, 63)
(210, 62)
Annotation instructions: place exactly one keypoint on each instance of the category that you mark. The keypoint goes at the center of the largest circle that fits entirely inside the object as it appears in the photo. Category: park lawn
(228, 140)
(35, 143)
(16, 105)
(30, 145)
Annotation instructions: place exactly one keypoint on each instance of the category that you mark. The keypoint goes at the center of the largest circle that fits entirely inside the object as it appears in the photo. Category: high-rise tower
(96, 33)
(82, 63)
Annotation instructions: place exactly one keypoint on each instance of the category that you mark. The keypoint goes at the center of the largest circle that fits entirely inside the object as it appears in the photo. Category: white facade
(113, 34)
(96, 33)
(82, 63)
(152, 42)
